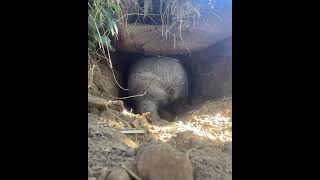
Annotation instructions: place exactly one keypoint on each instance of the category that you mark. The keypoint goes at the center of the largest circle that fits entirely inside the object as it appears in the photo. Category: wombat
(162, 79)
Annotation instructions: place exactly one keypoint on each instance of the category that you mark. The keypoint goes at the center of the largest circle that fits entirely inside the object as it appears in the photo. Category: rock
(162, 162)
(118, 174)
(103, 173)
(148, 39)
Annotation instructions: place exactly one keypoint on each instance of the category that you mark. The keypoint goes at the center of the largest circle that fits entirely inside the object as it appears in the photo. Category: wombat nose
(171, 91)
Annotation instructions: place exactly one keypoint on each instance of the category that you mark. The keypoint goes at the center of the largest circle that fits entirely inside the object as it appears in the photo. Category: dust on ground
(203, 133)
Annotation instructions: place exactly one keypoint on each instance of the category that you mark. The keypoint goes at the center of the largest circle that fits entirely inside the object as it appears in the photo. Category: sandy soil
(120, 141)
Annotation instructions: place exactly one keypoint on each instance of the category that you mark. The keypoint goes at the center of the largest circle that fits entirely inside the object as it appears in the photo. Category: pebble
(118, 174)
(163, 162)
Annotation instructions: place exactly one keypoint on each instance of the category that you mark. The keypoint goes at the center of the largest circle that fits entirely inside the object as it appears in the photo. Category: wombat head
(172, 94)
(148, 106)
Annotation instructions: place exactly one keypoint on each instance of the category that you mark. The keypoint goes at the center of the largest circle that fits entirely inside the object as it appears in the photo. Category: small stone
(163, 162)
(131, 152)
(116, 105)
(118, 174)
(103, 173)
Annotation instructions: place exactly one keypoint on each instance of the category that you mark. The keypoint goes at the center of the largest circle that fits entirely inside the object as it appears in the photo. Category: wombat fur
(164, 81)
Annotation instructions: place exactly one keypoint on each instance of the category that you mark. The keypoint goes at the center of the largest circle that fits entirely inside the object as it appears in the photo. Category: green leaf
(97, 38)
(91, 45)
(111, 24)
(90, 21)
(106, 40)
(115, 27)
(115, 7)
(100, 15)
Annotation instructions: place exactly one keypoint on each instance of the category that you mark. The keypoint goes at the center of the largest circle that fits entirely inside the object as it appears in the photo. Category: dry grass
(170, 14)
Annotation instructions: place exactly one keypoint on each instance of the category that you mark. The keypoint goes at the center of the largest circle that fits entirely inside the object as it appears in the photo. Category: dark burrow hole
(209, 73)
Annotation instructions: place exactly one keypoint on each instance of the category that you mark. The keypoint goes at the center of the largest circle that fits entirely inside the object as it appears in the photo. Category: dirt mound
(107, 147)
(209, 160)
(101, 80)
(202, 135)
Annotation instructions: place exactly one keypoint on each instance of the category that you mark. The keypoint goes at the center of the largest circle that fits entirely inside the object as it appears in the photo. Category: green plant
(102, 23)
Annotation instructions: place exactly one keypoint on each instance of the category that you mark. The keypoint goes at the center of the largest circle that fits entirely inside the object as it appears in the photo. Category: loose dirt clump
(118, 174)
(162, 161)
